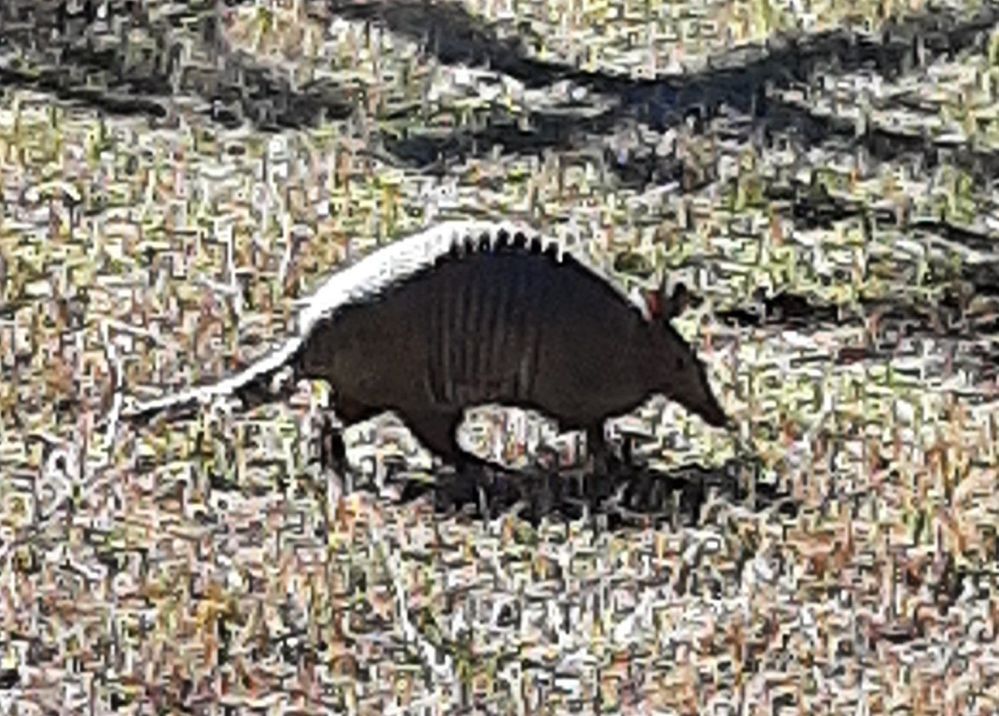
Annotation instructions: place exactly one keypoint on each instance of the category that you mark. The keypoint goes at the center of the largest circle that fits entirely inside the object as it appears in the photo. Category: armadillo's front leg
(599, 478)
(598, 451)
(438, 433)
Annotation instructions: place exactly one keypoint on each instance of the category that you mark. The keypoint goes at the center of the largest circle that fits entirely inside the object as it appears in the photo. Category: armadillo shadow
(626, 495)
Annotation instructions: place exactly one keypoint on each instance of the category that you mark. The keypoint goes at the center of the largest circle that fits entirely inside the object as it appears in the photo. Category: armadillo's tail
(252, 386)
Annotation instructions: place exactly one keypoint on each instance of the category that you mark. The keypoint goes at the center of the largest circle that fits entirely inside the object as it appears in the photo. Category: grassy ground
(208, 563)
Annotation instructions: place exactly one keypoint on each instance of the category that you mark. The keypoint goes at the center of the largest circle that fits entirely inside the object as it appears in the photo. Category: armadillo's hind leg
(332, 450)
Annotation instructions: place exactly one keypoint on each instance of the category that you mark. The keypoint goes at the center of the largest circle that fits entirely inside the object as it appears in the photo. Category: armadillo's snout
(713, 414)
(702, 401)
(704, 404)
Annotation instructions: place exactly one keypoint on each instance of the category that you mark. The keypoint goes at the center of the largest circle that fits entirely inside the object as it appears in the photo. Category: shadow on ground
(629, 496)
(738, 80)
(142, 74)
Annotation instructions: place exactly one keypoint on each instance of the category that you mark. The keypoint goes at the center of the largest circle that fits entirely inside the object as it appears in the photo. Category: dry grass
(208, 563)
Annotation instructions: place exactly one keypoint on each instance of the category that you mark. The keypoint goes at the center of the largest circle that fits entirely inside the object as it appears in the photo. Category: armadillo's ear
(653, 302)
(661, 305)
(645, 301)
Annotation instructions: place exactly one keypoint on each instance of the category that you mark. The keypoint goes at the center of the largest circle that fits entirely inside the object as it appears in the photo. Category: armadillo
(474, 313)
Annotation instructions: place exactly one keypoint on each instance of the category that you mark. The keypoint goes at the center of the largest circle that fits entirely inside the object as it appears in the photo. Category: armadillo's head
(684, 379)
(679, 374)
